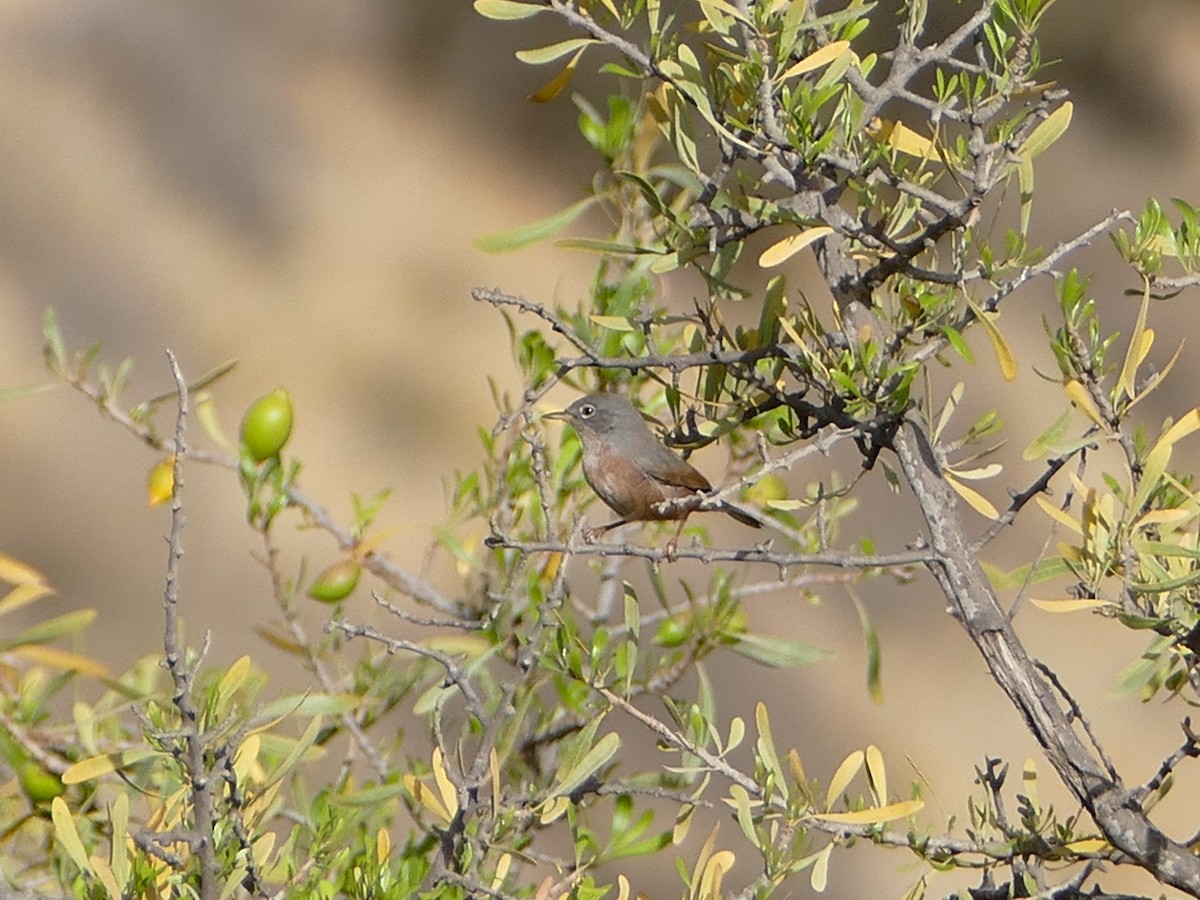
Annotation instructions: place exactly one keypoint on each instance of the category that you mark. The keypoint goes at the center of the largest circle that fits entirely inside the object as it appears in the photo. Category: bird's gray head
(604, 416)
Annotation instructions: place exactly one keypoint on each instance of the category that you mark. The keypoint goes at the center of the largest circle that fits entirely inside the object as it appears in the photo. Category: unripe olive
(267, 425)
(673, 631)
(39, 785)
(336, 582)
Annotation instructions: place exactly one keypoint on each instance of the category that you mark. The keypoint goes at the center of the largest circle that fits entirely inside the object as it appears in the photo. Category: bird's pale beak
(558, 414)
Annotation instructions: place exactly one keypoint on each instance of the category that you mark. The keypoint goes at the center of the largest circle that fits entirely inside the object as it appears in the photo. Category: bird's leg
(592, 534)
(672, 547)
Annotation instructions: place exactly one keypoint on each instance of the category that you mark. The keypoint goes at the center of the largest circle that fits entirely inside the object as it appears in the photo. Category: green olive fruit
(336, 582)
(673, 631)
(267, 425)
(39, 785)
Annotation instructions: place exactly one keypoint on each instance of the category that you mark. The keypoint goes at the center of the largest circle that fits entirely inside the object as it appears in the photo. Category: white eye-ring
(587, 411)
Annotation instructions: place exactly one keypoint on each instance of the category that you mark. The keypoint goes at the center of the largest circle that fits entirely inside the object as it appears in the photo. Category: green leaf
(778, 653)
(543, 55)
(1049, 131)
(507, 10)
(51, 629)
(523, 236)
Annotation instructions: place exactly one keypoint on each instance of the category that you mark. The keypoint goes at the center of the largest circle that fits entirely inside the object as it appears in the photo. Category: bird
(630, 470)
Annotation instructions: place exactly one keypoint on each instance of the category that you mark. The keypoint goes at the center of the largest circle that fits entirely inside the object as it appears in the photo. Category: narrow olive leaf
(613, 323)
(1004, 354)
(737, 731)
(948, 408)
(16, 572)
(874, 651)
(874, 816)
(603, 750)
(235, 676)
(723, 7)
(27, 390)
(1042, 137)
(904, 140)
(523, 236)
(1060, 516)
(51, 629)
(1158, 517)
(1155, 466)
(119, 854)
(980, 473)
(778, 653)
(820, 873)
(974, 499)
(105, 876)
(843, 776)
(427, 798)
(790, 246)
(765, 747)
(1067, 604)
(1045, 444)
(299, 749)
(67, 835)
(1188, 423)
(507, 10)
(714, 874)
(1025, 181)
(745, 820)
(1089, 845)
(542, 55)
(1138, 347)
(445, 787)
(555, 86)
(683, 823)
(92, 767)
(66, 660)
(876, 774)
(22, 595)
(1079, 396)
(815, 60)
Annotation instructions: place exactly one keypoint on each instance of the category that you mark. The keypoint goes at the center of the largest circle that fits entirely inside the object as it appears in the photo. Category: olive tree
(899, 154)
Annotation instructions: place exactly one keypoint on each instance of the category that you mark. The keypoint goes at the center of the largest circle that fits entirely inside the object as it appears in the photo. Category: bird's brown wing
(667, 468)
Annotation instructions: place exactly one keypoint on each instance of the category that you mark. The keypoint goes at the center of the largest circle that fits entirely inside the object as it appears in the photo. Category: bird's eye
(587, 411)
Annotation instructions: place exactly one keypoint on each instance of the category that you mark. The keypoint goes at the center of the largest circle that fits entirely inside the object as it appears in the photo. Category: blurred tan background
(298, 186)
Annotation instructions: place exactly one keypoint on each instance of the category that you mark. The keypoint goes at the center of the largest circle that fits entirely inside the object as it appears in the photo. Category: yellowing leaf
(974, 499)
(876, 774)
(903, 139)
(16, 572)
(87, 769)
(875, 815)
(1082, 400)
(843, 776)
(426, 797)
(65, 660)
(820, 872)
(714, 873)
(67, 835)
(555, 85)
(447, 790)
(24, 594)
(1089, 845)
(1067, 604)
(790, 246)
(1004, 354)
(815, 60)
